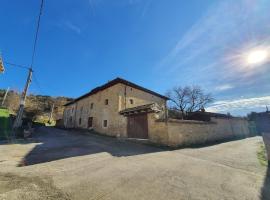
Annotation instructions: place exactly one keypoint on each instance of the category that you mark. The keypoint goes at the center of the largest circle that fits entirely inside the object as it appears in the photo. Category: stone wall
(266, 139)
(176, 133)
(157, 130)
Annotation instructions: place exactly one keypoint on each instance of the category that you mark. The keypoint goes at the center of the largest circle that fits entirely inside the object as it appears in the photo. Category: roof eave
(113, 82)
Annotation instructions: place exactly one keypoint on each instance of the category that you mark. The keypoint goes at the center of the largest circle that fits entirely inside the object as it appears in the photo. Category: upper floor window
(106, 101)
(91, 105)
(131, 101)
(80, 121)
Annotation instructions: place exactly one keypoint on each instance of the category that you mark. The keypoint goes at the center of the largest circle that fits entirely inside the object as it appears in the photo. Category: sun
(257, 56)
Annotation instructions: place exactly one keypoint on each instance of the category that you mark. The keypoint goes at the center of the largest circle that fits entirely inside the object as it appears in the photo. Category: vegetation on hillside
(37, 107)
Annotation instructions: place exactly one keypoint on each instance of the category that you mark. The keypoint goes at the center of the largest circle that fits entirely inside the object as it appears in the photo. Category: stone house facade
(123, 109)
(117, 108)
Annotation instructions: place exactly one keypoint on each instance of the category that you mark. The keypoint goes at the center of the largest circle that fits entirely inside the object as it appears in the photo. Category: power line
(36, 35)
(16, 65)
(18, 120)
(42, 87)
(35, 42)
(37, 83)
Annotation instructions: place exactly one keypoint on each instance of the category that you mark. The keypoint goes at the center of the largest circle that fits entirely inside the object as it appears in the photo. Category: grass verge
(261, 155)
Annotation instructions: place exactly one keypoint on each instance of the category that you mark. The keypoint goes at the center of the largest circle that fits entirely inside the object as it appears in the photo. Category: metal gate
(137, 126)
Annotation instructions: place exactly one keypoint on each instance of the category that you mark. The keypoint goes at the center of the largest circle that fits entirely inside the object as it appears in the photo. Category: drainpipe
(125, 94)
(166, 112)
(75, 116)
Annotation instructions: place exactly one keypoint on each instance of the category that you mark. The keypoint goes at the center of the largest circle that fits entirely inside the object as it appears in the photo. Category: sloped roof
(112, 83)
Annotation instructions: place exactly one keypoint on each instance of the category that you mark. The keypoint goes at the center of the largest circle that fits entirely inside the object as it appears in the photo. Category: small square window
(92, 105)
(131, 101)
(106, 101)
(105, 123)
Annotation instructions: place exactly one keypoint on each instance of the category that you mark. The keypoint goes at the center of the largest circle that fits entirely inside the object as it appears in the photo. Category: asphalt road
(58, 164)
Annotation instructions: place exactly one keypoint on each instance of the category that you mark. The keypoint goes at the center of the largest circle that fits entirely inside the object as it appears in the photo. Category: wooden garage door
(137, 126)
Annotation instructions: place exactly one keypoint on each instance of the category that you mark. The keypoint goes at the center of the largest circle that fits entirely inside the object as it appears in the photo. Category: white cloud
(224, 87)
(240, 104)
(73, 27)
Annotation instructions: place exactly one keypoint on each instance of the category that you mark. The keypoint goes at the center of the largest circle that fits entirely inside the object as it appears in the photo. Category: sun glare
(257, 56)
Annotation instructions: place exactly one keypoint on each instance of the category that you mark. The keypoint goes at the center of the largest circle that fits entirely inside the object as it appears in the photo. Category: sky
(157, 44)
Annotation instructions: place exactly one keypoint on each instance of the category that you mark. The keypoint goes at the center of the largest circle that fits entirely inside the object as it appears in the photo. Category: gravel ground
(58, 164)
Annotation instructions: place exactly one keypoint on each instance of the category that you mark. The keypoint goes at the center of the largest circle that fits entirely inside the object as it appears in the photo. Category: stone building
(117, 108)
(123, 109)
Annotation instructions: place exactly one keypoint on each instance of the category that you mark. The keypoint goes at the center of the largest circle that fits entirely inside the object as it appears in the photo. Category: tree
(12, 101)
(188, 99)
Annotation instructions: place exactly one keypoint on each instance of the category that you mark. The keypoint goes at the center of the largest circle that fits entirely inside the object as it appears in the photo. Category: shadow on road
(58, 144)
(265, 193)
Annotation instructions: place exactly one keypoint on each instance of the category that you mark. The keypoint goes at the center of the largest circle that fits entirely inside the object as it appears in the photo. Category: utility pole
(51, 113)
(18, 120)
(5, 96)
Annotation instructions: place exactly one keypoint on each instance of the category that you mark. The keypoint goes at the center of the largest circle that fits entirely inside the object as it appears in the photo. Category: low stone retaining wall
(176, 133)
(266, 139)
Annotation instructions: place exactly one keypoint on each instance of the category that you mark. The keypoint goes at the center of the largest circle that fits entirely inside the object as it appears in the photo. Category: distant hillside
(37, 106)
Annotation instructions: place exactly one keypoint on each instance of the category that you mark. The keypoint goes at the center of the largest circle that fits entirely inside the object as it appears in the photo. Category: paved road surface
(68, 165)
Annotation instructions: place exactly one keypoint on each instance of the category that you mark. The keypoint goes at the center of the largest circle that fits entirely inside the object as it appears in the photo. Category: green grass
(261, 154)
(4, 123)
(4, 112)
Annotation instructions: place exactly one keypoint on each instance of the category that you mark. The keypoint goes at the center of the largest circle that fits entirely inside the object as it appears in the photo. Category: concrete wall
(119, 96)
(186, 132)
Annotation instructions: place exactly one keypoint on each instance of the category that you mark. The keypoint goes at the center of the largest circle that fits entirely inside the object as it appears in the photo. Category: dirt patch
(34, 188)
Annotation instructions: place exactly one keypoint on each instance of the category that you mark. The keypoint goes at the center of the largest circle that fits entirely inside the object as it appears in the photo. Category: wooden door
(138, 126)
(90, 122)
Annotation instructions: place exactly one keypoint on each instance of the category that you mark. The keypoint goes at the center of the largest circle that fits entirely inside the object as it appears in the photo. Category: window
(91, 105)
(90, 122)
(106, 101)
(105, 123)
(131, 101)
(80, 121)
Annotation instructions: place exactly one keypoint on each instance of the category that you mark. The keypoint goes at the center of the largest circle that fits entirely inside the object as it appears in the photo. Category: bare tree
(179, 97)
(188, 99)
